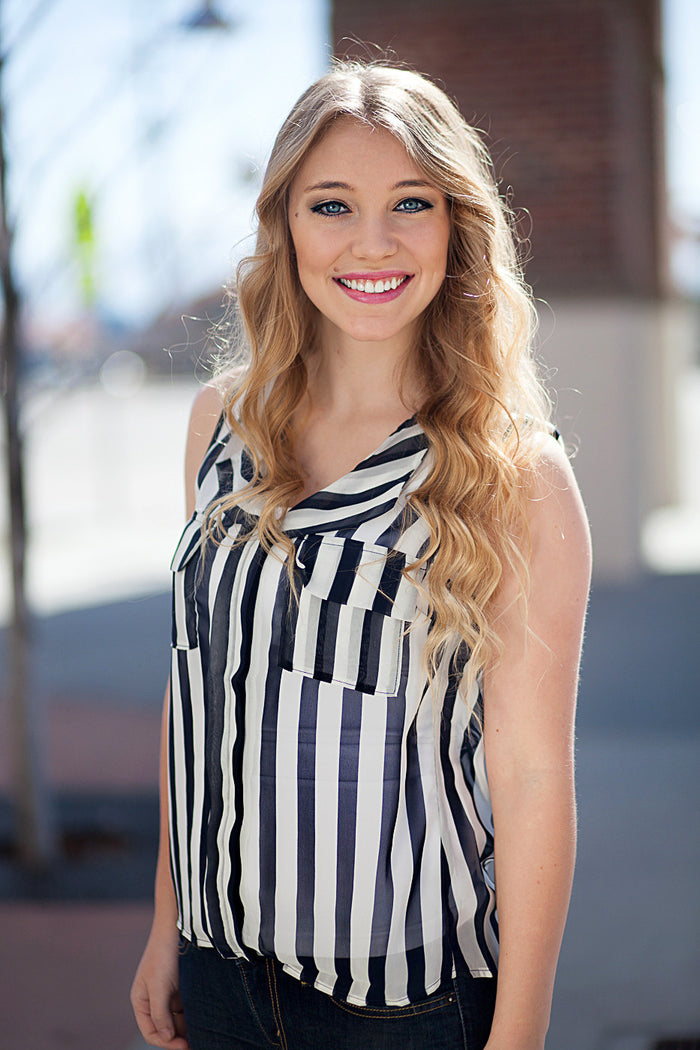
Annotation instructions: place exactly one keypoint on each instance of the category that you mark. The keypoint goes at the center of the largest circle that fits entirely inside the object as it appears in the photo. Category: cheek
(308, 276)
(306, 264)
(296, 233)
(432, 248)
(445, 246)
(307, 249)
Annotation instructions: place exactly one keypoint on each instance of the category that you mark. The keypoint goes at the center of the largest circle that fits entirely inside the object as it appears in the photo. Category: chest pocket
(353, 611)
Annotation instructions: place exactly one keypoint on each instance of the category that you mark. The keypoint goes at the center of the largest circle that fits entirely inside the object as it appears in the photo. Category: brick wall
(567, 94)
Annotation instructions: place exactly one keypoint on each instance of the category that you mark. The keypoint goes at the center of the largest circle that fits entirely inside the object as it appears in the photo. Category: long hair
(474, 349)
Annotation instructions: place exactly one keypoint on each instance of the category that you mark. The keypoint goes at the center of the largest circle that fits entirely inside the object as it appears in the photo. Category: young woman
(378, 597)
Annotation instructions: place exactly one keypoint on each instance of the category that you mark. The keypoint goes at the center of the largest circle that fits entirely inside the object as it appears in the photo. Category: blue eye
(329, 208)
(413, 204)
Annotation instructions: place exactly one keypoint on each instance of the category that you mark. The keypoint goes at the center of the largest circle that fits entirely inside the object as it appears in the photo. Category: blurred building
(569, 96)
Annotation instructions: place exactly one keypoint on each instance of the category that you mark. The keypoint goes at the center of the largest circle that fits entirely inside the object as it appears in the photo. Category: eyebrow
(333, 185)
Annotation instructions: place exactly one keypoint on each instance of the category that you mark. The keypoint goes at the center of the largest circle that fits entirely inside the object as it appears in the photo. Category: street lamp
(205, 17)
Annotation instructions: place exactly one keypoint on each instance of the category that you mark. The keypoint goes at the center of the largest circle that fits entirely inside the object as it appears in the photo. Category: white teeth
(373, 287)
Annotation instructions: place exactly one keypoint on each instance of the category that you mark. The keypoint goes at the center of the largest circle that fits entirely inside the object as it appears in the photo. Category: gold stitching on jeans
(272, 984)
(252, 1004)
(413, 1010)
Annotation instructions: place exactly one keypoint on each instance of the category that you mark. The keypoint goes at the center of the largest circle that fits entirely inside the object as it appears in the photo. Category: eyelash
(318, 209)
(424, 205)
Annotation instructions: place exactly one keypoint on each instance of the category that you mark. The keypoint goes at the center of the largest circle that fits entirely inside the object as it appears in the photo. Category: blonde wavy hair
(474, 351)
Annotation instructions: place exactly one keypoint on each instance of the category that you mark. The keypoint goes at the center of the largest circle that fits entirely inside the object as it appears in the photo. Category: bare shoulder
(205, 412)
(207, 408)
(560, 541)
(204, 415)
(532, 689)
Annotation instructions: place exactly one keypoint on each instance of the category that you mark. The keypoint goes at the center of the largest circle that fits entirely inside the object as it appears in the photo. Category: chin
(373, 333)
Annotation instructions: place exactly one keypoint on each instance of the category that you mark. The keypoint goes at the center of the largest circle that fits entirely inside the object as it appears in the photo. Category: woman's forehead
(351, 149)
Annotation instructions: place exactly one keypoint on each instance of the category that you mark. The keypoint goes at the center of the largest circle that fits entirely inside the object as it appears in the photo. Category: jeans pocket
(432, 1003)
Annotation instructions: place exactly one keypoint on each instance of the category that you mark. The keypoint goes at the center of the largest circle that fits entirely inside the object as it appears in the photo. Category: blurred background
(133, 141)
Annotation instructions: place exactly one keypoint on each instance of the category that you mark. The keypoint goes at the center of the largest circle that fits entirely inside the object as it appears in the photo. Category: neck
(346, 375)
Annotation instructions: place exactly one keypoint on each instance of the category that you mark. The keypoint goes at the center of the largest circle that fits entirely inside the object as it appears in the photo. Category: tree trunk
(35, 840)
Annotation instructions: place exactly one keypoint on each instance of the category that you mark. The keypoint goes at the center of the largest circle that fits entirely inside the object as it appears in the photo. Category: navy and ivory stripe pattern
(328, 807)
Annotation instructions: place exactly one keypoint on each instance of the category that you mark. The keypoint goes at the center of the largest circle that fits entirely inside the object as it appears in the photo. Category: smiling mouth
(389, 284)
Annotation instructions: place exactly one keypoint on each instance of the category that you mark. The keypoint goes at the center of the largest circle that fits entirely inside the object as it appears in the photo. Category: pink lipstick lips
(373, 287)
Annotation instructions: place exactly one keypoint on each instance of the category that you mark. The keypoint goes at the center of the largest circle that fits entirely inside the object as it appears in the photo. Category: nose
(374, 238)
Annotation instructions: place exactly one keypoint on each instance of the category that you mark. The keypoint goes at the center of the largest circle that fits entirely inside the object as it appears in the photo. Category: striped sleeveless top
(328, 807)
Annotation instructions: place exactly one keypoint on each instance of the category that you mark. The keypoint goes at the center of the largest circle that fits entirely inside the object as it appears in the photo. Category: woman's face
(370, 233)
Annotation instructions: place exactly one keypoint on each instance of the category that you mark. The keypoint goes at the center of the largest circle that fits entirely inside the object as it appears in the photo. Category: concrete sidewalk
(70, 941)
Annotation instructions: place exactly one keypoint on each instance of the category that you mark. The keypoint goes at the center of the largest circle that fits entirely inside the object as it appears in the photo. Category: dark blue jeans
(238, 1005)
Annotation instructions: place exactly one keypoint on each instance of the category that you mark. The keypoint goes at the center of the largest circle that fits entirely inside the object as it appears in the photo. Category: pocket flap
(364, 575)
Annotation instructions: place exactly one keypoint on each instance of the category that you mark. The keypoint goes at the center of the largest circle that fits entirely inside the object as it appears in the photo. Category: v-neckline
(371, 488)
(353, 470)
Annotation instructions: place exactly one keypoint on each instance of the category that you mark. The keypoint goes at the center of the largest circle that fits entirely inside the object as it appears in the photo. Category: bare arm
(530, 698)
(154, 993)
